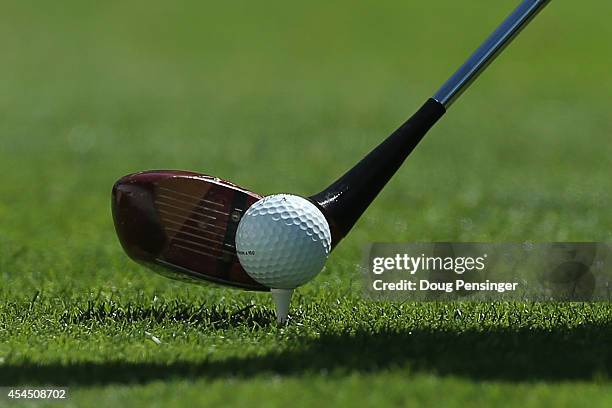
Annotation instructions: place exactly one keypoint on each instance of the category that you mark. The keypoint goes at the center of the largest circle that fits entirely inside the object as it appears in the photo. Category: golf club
(184, 224)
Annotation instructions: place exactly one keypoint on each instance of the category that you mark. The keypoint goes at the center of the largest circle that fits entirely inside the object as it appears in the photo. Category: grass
(280, 97)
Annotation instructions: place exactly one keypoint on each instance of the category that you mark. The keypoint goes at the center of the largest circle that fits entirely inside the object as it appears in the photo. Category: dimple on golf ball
(283, 241)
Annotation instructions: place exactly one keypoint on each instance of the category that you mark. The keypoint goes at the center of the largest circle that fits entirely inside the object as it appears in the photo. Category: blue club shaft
(487, 52)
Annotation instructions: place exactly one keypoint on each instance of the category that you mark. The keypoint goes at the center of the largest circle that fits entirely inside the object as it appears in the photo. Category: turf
(284, 97)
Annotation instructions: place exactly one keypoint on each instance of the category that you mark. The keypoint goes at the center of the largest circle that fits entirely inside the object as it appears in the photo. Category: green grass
(283, 97)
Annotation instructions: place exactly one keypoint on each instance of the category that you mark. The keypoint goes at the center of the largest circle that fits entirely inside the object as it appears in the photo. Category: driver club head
(183, 225)
(186, 222)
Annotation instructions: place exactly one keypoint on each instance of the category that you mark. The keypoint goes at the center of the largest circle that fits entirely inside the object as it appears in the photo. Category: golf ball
(283, 241)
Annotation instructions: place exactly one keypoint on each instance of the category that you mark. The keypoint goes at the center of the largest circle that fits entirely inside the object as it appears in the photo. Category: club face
(183, 225)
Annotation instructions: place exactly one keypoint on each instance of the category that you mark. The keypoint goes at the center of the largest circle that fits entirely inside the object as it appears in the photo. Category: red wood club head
(183, 225)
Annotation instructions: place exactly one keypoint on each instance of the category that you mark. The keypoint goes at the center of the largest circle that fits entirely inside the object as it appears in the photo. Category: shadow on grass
(581, 353)
(218, 316)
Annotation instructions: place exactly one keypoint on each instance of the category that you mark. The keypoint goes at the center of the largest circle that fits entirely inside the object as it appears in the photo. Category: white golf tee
(282, 298)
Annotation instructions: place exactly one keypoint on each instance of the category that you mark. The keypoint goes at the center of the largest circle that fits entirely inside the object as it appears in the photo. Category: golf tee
(282, 298)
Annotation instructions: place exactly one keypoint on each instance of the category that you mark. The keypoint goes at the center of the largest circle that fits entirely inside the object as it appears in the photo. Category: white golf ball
(283, 241)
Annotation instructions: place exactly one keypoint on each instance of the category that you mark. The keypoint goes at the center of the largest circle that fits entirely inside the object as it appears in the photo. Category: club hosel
(344, 201)
(348, 197)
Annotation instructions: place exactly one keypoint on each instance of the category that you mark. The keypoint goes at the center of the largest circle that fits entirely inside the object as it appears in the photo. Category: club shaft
(345, 200)
(487, 52)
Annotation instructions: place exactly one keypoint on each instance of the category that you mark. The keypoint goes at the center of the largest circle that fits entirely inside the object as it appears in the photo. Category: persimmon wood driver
(200, 228)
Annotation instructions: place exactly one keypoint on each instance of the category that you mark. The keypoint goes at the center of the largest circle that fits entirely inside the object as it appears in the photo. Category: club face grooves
(183, 225)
